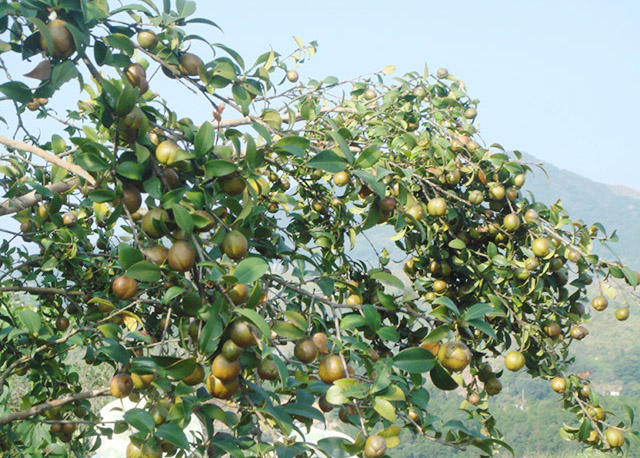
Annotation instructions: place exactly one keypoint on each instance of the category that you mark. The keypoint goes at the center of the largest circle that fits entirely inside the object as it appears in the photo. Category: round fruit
(552, 329)
(474, 398)
(232, 185)
(578, 332)
(511, 222)
(615, 437)
(124, 288)
(573, 255)
(413, 415)
(540, 247)
(388, 204)
(305, 351)
(166, 152)
(131, 199)
(152, 222)
(432, 347)
(136, 75)
(558, 384)
(514, 361)
(599, 303)
(454, 356)
(331, 369)
(292, 76)
(62, 323)
(172, 178)
(622, 313)
(415, 211)
(235, 245)
(476, 197)
(375, 447)
(584, 390)
(157, 254)
(69, 219)
(354, 299)
(182, 256)
(518, 180)
(239, 294)
(442, 73)
(439, 286)
(121, 385)
(241, 334)
(147, 39)
(321, 341)
(63, 44)
(341, 179)
(55, 428)
(497, 192)
(370, 94)
(142, 381)
(493, 386)
(190, 64)
(191, 303)
(268, 370)
(325, 405)
(220, 389)
(596, 412)
(196, 377)
(470, 113)
(224, 369)
(437, 207)
(231, 351)
(409, 266)
(530, 216)
(144, 451)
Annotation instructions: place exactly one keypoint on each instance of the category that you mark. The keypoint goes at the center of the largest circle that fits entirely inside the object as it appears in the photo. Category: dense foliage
(208, 268)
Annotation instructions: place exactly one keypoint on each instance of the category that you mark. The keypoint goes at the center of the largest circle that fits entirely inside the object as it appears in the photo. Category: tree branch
(33, 198)
(51, 158)
(35, 410)
(38, 290)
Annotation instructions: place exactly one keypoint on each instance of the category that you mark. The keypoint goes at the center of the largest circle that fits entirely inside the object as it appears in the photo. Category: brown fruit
(558, 384)
(579, 332)
(136, 74)
(63, 44)
(220, 389)
(157, 254)
(292, 76)
(124, 288)
(194, 329)
(241, 334)
(190, 64)
(388, 204)
(25, 226)
(182, 256)
(142, 381)
(454, 356)
(55, 428)
(68, 428)
(231, 351)
(239, 294)
(305, 351)
(325, 405)
(599, 303)
(235, 245)
(432, 347)
(345, 412)
(493, 386)
(196, 377)
(132, 199)
(375, 447)
(147, 39)
(474, 399)
(62, 323)
(232, 185)
(121, 385)
(166, 152)
(224, 369)
(268, 370)
(331, 369)
(552, 329)
(531, 216)
(69, 219)
(172, 178)
(321, 341)
(152, 222)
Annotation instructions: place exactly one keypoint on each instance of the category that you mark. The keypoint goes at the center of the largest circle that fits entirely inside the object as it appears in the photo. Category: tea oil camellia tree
(205, 265)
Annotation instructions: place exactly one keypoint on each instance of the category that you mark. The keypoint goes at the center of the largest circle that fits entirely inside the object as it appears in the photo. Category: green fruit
(225, 370)
(514, 361)
(231, 350)
(558, 384)
(540, 247)
(437, 207)
(154, 221)
(622, 313)
(196, 377)
(341, 179)
(235, 245)
(518, 180)
(241, 334)
(166, 152)
(268, 370)
(292, 76)
(147, 39)
(375, 447)
(531, 216)
(415, 211)
(493, 386)
(454, 356)
(615, 437)
(190, 64)
(370, 94)
(331, 369)
(552, 329)
(470, 113)
(497, 192)
(511, 222)
(191, 303)
(156, 254)
(442, 73)
(63, 44)
(305, 351)
(476, 197)
(232, 185)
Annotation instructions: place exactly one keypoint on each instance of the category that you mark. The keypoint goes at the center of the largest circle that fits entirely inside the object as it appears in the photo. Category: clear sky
(557, 79)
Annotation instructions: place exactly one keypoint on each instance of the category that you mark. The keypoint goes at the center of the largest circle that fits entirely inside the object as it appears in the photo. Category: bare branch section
(246, 120)
(51, 158)
(38, 290)
(35, 410)
(33, 198)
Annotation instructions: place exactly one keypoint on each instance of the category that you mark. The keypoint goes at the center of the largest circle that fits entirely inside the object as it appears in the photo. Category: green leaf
(175, 367)
(388, 279)
(250, 269)
(441, 378)
(448, 303)
(17, 91)
(414, 360)
(368, 157)
(328, 160)
(457, 244)
(30, 319)
(384, 408)
(478, 310)
(204, 139)
(210, 335)
(44, 31)
(57, 144)
(335, 396)
(172, 433)
(342, 143)
(256, 319)
(376, 186)
(371, 316)
(183, 219)
(483, 326)
(333, 447)
(140, 419)
(128, 255)
(144, 271)
(126, 100)
(130, 169)
(304, 411)
(219, 168)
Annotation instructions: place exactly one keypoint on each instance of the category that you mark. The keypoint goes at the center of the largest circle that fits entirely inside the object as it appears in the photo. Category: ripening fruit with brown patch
(578, 332)
(375, 447)
(224, 369)
(232, 185)
(152, 222)
(182, 256)
(157, 254)
(552, 329)
(331, 369)
(474, 398)
(432, 347)
(241, 334)
(55, 428)
(235, 245)
(531, 216)
(558, 384)
(599, 303)
(325, 405)
(63, 44)
(222, 389)
(196, 377)
(124, 288)
(268, 370)
(388, 204)
(121, 385)
(69, 219)
(239, 294)
(305, 351)
(454, 356)
(142, 381)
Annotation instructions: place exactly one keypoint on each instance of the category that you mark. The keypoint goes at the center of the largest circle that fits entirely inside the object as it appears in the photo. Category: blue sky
(560, 80)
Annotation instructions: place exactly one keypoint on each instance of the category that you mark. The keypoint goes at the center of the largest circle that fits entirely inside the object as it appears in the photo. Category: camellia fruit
(615, 437)
(147, 39)
(235, 245)
(599, 303)
(454, 356)
(124, 288)
(540, 247)
(241, 334)
(196, 377)
(511, 222)
(63, 44)
(152, 222)
(552, 329)
(225, 370)
(166, 152)
(121, 385)
(437, 207)
(190, 64)
(331, 369)
(182, 256)
(341, 178)
(622, 313)
(268, 370)
(493, 386)
(239, 294)
(375, 447)
(305, 351)
(292, 76)
(558, 384)
(514, 361)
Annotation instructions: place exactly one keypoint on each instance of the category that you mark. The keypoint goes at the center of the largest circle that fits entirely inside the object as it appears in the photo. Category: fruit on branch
(142, 381)
(370, 94)
(154, 223)
(224, 369)
(474, 399)
(235, 245)
(239, 294)
(166, 152)
(292, 76)
(131, 126)
(415, 211)
(454, 356)
(331, 369)
(558, 384)
(341, 178)
(182, 256)
(232, 185)
(514, 361)
(268, 370)
(63, 44)
(137, 77)
(222, 389)
(121, 385)
(62, 323)
(599, 303)
(241, 334)
(231, 350)
(322, 342)
(552, 329)
(375, 447)
(157, 254)
(614, 437)
(196, 377)
(436, 207)
(493, 386)
(540, 247)
(124, 288)
(147, 39)
(305, 351)
(622, 313)
(511, 222)
(190, 64)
